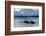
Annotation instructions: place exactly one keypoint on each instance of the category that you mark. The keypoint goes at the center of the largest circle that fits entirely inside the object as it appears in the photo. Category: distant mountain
(27, 12)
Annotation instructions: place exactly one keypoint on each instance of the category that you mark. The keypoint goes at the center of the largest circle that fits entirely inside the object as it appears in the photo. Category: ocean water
(19, 21)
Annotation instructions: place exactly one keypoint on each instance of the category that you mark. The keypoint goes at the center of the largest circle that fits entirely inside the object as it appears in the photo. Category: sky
(26, 12)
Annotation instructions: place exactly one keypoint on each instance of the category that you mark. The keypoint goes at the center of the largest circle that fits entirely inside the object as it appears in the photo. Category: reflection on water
(19, 21)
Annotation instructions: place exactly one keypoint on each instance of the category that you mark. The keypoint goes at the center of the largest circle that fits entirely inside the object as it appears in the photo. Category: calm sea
(18, 21)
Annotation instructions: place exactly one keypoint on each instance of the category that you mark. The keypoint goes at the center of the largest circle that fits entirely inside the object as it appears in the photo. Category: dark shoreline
(26, 16)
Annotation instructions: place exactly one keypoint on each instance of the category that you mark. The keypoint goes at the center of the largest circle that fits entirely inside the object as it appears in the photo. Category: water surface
(18, 21)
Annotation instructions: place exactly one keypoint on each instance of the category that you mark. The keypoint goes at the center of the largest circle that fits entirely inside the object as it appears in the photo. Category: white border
(25, 28)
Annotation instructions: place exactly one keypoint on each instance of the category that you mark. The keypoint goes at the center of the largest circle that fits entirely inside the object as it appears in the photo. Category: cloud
(34, 9)
(17, 9)
(26, 12)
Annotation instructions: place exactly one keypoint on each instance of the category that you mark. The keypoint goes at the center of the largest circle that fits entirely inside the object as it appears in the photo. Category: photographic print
(24, 18)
